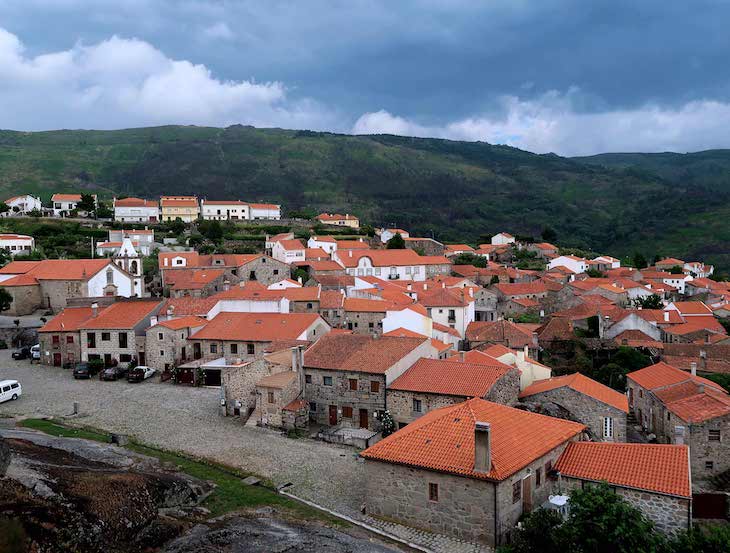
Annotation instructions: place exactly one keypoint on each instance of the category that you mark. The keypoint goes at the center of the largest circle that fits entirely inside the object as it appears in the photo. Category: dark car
(22, 353)
(113, 373)
(84, 370)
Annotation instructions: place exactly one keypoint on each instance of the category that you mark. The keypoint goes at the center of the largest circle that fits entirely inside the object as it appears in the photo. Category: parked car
(113, 373)
(84, 370)
(10, 389)
(35, 352)
(140, 373)
(22, 353)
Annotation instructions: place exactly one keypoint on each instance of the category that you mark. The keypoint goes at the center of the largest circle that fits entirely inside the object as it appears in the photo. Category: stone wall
(670, 514)
(304, 306)
(271, 413)
(265, 270)
(340, 395)
(506, 389)
(26, 299)
(239, 384)
(56, 293)
(168, 352)
(362, 322)
(400, 404)
(70, 351)
(224, 349)
(109, 347)
(587, 410)
(704, 451)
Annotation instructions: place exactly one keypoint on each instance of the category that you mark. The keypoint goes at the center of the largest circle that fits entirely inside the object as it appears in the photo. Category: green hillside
(459, 191)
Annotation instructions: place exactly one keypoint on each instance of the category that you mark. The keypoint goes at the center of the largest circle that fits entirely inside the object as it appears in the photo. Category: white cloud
(123, 82)
(553, 123)
(219, 30)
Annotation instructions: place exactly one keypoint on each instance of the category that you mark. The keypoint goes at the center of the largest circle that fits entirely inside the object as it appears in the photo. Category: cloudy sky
(565, 76)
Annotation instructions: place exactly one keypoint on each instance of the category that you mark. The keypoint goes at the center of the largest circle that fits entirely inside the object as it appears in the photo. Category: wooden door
(333, 415)
(56, 359)
(527, 494)
(363, 418)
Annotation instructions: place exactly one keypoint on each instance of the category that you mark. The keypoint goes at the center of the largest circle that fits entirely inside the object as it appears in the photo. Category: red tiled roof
(264, 206)
(304, 293)
(390, 258)
(66, 198)
(522, 288)
(179, 201)
(450, 377)
(122, 314)
(189, 306)
(324, 265)
(256, 327)
(443, 440)
(135, 202)
(368, 306)
(68, 320)
(653, 467)
(194, 259)
(661, 374)
(57, 269)
(192, 279)
(358, 353)
(292, 244)
(692, 308)
(352, 245)
(702, 406)
(224, 202)
(189, 321)
(582, 384)
(670, 262)
(335, 217)
(499, 331)
(331, 299)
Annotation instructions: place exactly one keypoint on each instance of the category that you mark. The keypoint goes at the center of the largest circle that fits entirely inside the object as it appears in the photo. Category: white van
(10, 389)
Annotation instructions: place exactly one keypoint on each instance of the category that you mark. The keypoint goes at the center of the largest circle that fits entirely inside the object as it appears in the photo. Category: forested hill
(460, 191)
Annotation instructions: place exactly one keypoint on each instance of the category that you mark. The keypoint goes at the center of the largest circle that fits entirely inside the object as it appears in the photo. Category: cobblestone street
(186, 419)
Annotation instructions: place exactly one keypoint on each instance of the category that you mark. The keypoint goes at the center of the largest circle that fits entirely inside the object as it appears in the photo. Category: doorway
(363, 418)
(56, 359)
(527, 494)
(333, 415)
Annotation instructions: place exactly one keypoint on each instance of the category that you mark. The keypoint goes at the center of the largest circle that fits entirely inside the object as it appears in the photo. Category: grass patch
(230, 493)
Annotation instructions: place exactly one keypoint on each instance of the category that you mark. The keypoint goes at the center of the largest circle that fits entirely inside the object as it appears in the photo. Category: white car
(140, 373)
(35, 352)
(10, 389)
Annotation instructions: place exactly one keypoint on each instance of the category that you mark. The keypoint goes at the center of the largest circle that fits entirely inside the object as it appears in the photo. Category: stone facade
(59, 348)
(272, 400)
(670, 514)
(304, 306)
(425, 246)
(108, 345)
(587, 410)
(465, 507)
(709, 444)
(401, 404)
(26, 299)
(264, 269)
(364, 322)
(166, 348)
(238, 383)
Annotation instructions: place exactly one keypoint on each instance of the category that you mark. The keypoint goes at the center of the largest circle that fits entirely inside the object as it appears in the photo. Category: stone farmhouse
(166, 341)
(238, 267)
(60, 338)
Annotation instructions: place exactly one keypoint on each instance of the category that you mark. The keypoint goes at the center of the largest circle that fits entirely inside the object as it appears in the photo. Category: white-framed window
(607, 427)
(377, 271)
(408, 270)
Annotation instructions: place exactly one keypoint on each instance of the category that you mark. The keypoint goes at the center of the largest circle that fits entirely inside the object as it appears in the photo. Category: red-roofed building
(238, 267)
(488, 462)
(60, 338)
(288, 251)
(224, 210)
(185, 208)
(196, 283)
(392, 264)
(602, 409)
(654, 478)
(166, 341)
(345, 220)
(64, 204)
(512, 335)
(135, 210)
(347, 375)
(434, 383)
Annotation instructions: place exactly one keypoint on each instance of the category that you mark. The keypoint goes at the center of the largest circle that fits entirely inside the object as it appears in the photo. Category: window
(309, 306)
(347, 412)
(122, 339)
(641, 392)
(160, 336)
(607, 427)
(353, 383)
(69, 339)
(125, 358)
(234, 349)
(433, 491)
(417, 406)
(276, 271)
(271, 397)
(327, 380)
(162, 353)
(538, 477)
(313, 406)
(548, 468)
(374, 386)
(308, 378)
(214, 348)
(714, 436)
(250, 349)
(371, 326)
(109, 276)
(106, 336)
(709, 465)
(56, 339)
(516, 491)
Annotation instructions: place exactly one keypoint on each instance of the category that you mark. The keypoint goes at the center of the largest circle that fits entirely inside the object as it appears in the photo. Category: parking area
(186, 419)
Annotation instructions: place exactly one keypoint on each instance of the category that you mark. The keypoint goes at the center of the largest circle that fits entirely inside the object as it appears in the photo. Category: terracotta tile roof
(68, 320)
(135, 202)
(224, 202)
(404, 333)
(331, 299)
(328, 239)
(277, 380)
(57, 269)
(18, 267)
(445, 297)
(352, 245)
(661, 375)
(704, 405)
(315, 253)
(189, 306)
(66, 198)
(496, 351)
(323, 265)
(443, 328)
(695, 324)
(295, 405)
(692, 308)
(658, 316)
(334, 281)
(557, 329)
(324, 217)
(582, 384)
(390, 258)
(449, 377)
(653, 467)
(15, 237)
(305, 293)
(521, 288)
(178, 201)
(358, 353)
(20, 280)
(291, 245)
(636, 338)
(459, 247)
(443, 440)
(256, 327)
(527, 303)
(516, 336)
(366, 306)
(192, 279)
(189, 321)
(669, 262)
(122, 314)
(264, 206)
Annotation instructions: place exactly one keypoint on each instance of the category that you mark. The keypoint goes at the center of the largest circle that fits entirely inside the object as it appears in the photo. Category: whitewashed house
(388, 233)
(264, 211)
(288, 251)
(136, 210)
(17, 244)
(576, 264)
(502, 239)
(63, 204)
(234, 210)
(24, 204)
(326, 243)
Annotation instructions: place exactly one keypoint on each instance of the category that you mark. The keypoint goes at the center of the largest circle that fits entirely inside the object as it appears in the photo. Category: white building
(288, 251)
(264, 211)
(25, 203)
(502, 239)
(410, 317)
(388, 264)
(609, 261)
(17, 244)
(234, 210)
(698, 269)
(327, 243)
(63, 204)
(388, 233)
(145, 237)
(576, 264)
(136, 210)
(129, 259)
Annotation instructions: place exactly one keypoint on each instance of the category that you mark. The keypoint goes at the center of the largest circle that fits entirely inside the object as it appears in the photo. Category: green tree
(639, 261)
(177, 227)
(715, 539)
(103, 211)
(6, 299)
(396, 243)
(549, 234)
(676, 270)
(595, 273)
(649, 302)
(494, 280)
(469, 259)
(538, 533)
(387, 424)
(86, 203)
(4, 207)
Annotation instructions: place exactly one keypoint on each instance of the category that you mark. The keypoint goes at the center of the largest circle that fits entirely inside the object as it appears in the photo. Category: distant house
(224, 210)
(264, 211)
(60, 338)
(288, 251)
(64, 204)
(457, 249)
(17, 244)
(388, 233)
(346, 220)
(502, 239)
(669, 263)
(238, 267)
(327, 243)
(24, 204)
(576, 264)
(185, 208)
(135, 210)
(391, 264)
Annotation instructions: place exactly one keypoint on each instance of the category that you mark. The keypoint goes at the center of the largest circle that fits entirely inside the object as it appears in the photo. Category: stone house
(238, 267)
(452, 307)
(166, 341)
(332, 307)
(485, 305)
(602, 409)
(60, 338)
(460, 471)
(346, 376)
(511, 335)
(51, 283)
(195, 283)
(279, 397)
(303, 299)
(425, 246)
(364, 316)
(116, 334)
(433, 383)
(654, 478)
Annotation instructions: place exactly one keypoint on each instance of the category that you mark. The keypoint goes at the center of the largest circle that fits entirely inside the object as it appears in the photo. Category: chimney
(226, 285)
(299, 280)
(153, 320)
(701, 389)
(170, 311)
(94, 309)
(350, 252)
(462, 356)
(294, 358)
(425, 286)
(482, 447)
(409, 287)
(666, 316)
(443, 284)
(693, 368)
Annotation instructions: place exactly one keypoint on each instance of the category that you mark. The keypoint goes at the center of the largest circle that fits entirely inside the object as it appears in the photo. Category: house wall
(222, 212)
(272, 414)
(70, 352)
(400, 404)
(98, 283)
(110, 346)
(702, 450)
(56, 293)
(265, 270)
(239, 384)
(168, 352)
(136, 214)
(506, 389)
(26, 299)
(408, 319)
(364, 322)
(587, 410)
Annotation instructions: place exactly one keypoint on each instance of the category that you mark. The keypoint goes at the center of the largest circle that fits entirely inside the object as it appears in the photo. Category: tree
(86, 203)
(387, 424)
(4, 207)
(467, 258)
(104, 212)
(6, 299)
(714, 539)
(549, 234)
(676, 270)
(639, 261)
(177, 227)
(396, 243)
(595, 273)
(212, 230)
(649, 302)
(494, 280)
(539, 532)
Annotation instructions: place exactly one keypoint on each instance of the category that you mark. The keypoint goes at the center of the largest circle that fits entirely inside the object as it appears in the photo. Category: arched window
(133, 267)
(110, 276)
